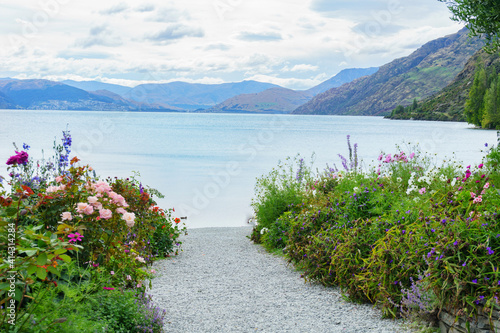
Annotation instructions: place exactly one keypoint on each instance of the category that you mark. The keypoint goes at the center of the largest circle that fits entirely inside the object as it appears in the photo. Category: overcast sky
(293, 43)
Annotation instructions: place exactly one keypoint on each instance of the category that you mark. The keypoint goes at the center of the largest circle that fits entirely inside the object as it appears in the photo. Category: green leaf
(29, 253)
(18, 295)
(31, 269)
(54, 270)
(41, 273)
(10, 211)
(42, 259)
(65, 257)
(60, 251)
(4, 286)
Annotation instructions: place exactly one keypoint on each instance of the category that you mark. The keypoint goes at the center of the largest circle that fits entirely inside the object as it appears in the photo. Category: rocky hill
(419, 75)
(448, 104)
(281, 100)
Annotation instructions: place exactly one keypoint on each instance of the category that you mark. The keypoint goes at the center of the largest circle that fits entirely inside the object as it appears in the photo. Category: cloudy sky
(293, 43)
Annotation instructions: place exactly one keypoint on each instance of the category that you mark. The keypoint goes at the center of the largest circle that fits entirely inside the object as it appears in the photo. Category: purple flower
(474, 281)
(21, 157)
(490, 251)
(464, 264)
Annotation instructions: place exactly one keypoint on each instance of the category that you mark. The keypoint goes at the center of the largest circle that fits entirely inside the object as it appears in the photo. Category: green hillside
(449, 103)
(419, 75)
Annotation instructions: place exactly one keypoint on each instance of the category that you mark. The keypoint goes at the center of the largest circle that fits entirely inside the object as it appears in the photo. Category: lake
(206, 164)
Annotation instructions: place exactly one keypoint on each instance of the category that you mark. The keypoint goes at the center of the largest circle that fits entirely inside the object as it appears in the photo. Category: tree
(491, 117)
(482, 17)
(474, 105)
(414, 105)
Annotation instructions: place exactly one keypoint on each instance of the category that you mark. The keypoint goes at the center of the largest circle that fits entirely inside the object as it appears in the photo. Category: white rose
(129, 219)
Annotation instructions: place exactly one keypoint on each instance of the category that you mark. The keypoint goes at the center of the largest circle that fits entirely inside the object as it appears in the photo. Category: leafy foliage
(70, 226)
(481, 16)
(408, 235)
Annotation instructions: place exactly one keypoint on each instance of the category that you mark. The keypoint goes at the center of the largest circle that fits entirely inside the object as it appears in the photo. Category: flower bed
(68, 238)
(409, 235)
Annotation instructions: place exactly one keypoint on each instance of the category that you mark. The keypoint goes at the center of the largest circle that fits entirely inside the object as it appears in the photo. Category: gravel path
(222, 282)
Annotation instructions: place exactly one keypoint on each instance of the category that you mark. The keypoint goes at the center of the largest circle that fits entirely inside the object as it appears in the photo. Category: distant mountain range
(174, 96)
(50, 95)
(356, 91)
(419, 75)
(281, 100)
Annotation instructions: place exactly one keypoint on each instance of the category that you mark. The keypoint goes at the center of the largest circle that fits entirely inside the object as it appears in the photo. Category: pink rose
(105, 214)
(121, 210)
(92, 200)
(80, 207)
(88, 210)
(66, 216)
(129, 219)
(52, 189)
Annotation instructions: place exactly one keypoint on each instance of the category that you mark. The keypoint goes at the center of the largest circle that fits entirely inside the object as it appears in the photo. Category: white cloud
(118, 8)
(303, 68)
(287, 42)
(175, 31)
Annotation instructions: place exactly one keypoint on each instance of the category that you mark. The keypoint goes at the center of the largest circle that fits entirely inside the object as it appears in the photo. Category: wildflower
(66, 216)
(474, 281)
(177, 220)
(490, 251)
(129, 277)
(153, 271)
(399, 179)
(487, 185)
(472, 195)
(478, 199)
(75, 237)
(21, 157)
(25, 146)
(480, 165)
(108, 288)
(140, 259)
(112, 272)
(412, 155)
(422, 190)
(59, 179)
(464, 264)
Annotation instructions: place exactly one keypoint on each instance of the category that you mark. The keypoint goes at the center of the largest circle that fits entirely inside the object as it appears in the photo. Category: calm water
(206, 164)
